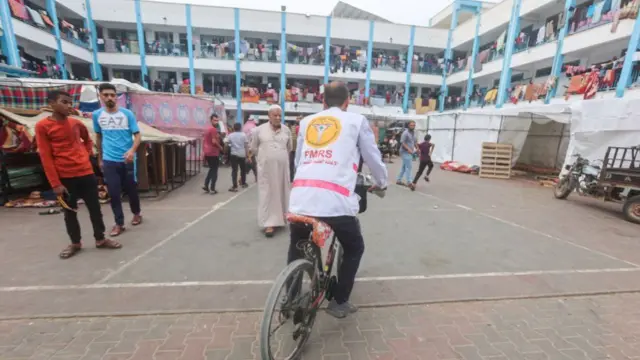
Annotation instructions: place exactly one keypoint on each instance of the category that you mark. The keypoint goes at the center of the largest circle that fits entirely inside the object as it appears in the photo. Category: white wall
(31, 33)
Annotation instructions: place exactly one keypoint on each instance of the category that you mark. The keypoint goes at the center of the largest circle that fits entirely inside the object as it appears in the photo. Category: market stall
(162, 163)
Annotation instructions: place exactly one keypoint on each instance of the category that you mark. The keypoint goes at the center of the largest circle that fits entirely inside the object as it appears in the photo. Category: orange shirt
(64, 147)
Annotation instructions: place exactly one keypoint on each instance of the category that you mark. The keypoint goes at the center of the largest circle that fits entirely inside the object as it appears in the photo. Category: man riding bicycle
(330, 146)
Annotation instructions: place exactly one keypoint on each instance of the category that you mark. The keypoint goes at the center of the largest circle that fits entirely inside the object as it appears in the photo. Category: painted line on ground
(534, 231)
(271, 282)
(215, 208)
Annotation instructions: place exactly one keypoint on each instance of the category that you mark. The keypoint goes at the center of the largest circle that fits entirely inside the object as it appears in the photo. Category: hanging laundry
(540, 37)
(597, 12)
(501, 40)
(18, 9)
(36, 17)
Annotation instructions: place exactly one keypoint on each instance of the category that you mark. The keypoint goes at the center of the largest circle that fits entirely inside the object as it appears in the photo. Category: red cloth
(208, 148)
(64, 148)
(593, 82)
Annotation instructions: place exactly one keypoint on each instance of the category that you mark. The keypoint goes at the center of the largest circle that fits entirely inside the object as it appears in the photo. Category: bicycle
(302, 310)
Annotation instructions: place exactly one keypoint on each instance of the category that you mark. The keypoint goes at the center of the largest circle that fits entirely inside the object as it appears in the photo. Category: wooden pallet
(496, 160)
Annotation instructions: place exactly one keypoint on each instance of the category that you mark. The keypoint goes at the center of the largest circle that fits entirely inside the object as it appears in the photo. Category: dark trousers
(347, 229)
(292, 164)
(120, 177)
(238, 162)
(253, 167)
(85, 188)
(423, 164)
(212, 175)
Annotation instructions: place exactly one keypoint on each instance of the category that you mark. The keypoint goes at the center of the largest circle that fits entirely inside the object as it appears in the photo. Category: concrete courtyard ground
(463, 268)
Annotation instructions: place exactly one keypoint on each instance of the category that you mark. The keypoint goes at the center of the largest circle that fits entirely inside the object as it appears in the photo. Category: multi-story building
(467, 49)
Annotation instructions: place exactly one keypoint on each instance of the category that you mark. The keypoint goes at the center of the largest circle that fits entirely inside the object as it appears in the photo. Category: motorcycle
(582, 176)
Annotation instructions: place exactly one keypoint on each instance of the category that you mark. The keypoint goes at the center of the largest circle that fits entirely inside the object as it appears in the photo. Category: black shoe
(234, 189)
(244, 186)
(213, 192)
(206, 189)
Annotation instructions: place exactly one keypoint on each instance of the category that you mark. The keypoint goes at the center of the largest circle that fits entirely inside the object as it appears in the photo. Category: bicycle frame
(322, 275)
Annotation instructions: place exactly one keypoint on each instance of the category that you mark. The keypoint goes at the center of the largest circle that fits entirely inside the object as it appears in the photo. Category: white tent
(598, 124)
(538, 133)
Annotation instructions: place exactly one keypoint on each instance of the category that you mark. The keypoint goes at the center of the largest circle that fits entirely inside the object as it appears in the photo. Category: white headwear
(274, 107)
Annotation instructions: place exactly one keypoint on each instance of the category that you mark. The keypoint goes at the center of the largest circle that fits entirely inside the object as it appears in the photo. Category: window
(517, 77)
(543, 72)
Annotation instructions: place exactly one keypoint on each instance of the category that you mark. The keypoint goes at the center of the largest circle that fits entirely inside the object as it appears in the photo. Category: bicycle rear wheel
(294, 308)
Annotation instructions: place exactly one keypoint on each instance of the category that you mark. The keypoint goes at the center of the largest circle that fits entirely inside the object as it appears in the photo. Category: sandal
(70, 251)
(108, 244)
(234, 189)
(268, 232)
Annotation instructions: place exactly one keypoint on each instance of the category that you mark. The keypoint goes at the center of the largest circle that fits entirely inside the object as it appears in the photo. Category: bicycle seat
(320, 230)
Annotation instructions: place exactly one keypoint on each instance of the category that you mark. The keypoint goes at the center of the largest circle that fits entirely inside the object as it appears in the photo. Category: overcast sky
(399, 11)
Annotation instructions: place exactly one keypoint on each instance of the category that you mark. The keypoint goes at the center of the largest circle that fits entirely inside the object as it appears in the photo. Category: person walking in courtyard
(248, 128)
(426, 149)
(211, 148)
(238, 150)
(271, 142)
(118, 138)
(407, 147)
(64, 146)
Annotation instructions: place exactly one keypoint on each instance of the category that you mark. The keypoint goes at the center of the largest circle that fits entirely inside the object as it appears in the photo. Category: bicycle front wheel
(289, 304)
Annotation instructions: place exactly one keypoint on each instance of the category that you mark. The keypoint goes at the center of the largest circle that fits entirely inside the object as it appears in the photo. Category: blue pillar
(96, 69)
(512, 33)
(448, 56)
(236, 31)
(192, 75)
(407, 82)
(283, 60)
(558, 59)
(367, 83)
(141, 41)
(9, 43)
(51, 9)
(625, 74)
(327, 51)
(474, 55)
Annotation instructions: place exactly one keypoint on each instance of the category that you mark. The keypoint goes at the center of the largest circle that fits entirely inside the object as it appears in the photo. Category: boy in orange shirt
(64, 146)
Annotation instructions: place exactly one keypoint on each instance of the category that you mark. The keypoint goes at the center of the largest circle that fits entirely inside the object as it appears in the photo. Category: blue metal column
(474, 55)
(407, 82)
(9, 43)
(558, 59)
(367, 83)
(141, 42)
(236, 31)
(625, 74)
(448, 56)
(327, 51)
(96, 69)
(51, 9)
(192, 75)
(283, 60)
(505, 76)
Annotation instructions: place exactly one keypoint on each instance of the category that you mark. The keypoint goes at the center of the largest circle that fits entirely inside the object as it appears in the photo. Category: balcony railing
(119, 46)
(66, 34)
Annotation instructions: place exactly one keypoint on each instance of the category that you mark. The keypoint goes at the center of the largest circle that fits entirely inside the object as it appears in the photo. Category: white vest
(327, 164)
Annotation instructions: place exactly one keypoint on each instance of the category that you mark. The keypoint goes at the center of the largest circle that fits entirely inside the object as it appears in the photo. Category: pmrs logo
(322, 131)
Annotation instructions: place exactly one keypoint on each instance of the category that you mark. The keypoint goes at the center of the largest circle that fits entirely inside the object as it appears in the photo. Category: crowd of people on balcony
(38, 17)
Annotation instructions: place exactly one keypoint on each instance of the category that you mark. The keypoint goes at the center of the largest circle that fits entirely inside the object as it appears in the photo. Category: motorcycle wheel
(631, 209)
(563, 188)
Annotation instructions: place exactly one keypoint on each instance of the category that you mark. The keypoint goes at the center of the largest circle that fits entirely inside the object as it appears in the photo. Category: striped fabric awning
(35, 98)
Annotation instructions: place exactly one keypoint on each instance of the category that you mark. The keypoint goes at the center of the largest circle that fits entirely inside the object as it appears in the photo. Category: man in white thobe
(271, 143)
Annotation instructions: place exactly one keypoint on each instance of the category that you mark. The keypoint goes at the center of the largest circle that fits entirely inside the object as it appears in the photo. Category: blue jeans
(121, 177)
(405, 170)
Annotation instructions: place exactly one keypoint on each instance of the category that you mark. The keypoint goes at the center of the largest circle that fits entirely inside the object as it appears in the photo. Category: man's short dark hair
(427, 137)
(53, 96)
(106, 86)
(214, 115)
(237, 127)
(335, 94)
